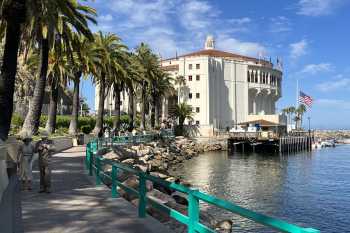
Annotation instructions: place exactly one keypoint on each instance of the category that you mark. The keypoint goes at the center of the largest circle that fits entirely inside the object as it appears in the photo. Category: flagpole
(297, 95)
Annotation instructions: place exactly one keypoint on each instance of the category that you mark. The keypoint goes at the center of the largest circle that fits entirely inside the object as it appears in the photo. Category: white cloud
(298, 49)
(107, 17)
(196, 15)
(317, 7)
(237, 24)
(316, 68)
(342, 83)
(280, 24)
(171, 26)
(240, 21)
(231, 44)
(139, 13)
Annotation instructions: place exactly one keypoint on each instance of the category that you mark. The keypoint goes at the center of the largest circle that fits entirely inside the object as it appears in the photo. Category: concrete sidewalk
(76, 205)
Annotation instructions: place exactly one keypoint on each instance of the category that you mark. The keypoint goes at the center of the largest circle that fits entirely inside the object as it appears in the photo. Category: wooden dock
(270, 143)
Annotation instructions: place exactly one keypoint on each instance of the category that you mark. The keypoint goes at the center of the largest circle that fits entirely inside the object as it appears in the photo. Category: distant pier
(270, 143)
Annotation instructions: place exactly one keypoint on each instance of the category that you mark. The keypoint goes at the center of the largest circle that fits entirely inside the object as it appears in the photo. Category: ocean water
(309, 189)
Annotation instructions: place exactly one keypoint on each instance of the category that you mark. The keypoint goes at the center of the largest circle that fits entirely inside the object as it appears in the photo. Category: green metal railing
(95, 163)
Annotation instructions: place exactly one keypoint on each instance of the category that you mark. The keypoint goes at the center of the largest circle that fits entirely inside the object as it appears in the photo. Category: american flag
(305, 99)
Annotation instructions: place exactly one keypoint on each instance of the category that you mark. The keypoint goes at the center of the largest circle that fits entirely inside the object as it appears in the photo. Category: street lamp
(309, 118)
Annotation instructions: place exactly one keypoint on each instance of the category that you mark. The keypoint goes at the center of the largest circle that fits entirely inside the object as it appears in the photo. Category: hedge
(62, 122)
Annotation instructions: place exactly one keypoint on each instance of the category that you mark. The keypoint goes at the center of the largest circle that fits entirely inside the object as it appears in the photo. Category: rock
(180, 199)
(133, 182)
(129, 161)
(171, 179)
(142, 168)
(111, 155)
(135, 202)
(224, 226)
(159, 175)
(159, 196)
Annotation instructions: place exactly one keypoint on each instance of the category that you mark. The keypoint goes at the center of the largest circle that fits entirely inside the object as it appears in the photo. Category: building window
(190, 66)
(256, 77)
(197, 109)
(197, 122)
(198, 77)
(198, 66)
(190, 95)
(190, 78)
(248, 77)
(197, 95)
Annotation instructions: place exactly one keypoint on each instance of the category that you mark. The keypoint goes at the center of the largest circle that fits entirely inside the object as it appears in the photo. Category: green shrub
(61, 131)
(17, 121)
(108, 121)
(43, 119)
(63, 121)
(86, 129)
(86, 121)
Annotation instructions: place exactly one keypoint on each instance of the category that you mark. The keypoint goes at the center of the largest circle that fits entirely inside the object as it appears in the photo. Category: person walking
(45, 149)
(26, 153)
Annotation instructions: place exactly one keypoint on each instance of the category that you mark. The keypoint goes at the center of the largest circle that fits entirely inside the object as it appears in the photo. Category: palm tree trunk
(101, 104)
(116, 121)
(14, 16)
(32, 121)
(143, 106)
(157, 111)
(153, 108)
(51, 118)
(73, 125)
(131, 108)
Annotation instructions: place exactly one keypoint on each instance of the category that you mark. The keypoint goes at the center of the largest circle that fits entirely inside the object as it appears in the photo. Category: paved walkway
(76, 205)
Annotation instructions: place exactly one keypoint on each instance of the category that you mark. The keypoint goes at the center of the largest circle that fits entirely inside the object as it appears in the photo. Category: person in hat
(45, 149)
(26, 153)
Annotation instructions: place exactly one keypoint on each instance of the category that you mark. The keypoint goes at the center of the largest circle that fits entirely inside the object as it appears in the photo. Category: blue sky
(310, 36)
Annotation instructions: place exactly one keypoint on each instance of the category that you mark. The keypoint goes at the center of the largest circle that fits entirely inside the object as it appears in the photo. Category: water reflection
(301, 188)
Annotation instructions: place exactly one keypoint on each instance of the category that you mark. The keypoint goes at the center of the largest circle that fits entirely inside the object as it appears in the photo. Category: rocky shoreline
(157, 158)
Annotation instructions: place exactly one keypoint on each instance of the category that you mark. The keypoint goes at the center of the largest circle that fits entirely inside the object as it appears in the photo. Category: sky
(311, 37)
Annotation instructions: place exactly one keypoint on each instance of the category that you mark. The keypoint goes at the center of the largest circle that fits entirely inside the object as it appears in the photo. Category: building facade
(226, 89)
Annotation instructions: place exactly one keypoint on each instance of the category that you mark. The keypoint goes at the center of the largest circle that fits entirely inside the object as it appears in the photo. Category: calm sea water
(308, 189)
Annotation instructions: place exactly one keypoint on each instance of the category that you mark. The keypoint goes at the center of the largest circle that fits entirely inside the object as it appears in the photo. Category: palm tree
(182, 112)
(49, 24)
(109, 46)
(291, 110)
(12, 16)
(180, 81)
(58, 73)
(300, 112)
(150, 63)
(134, 77)
(84, 59)
(164, 89)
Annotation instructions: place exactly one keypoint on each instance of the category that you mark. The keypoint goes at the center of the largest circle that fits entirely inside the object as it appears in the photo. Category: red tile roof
(218, 53)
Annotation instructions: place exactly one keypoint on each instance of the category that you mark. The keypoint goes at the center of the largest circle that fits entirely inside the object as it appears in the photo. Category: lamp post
(309, 118)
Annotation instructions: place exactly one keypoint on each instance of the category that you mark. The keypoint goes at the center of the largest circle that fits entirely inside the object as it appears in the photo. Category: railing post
(193, 212)
(87, 155)
(98, 169)
(142, 195)
(114, 181)
(91, 160)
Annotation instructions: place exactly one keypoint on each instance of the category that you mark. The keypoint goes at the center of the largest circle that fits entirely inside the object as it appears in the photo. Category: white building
(224, 89)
